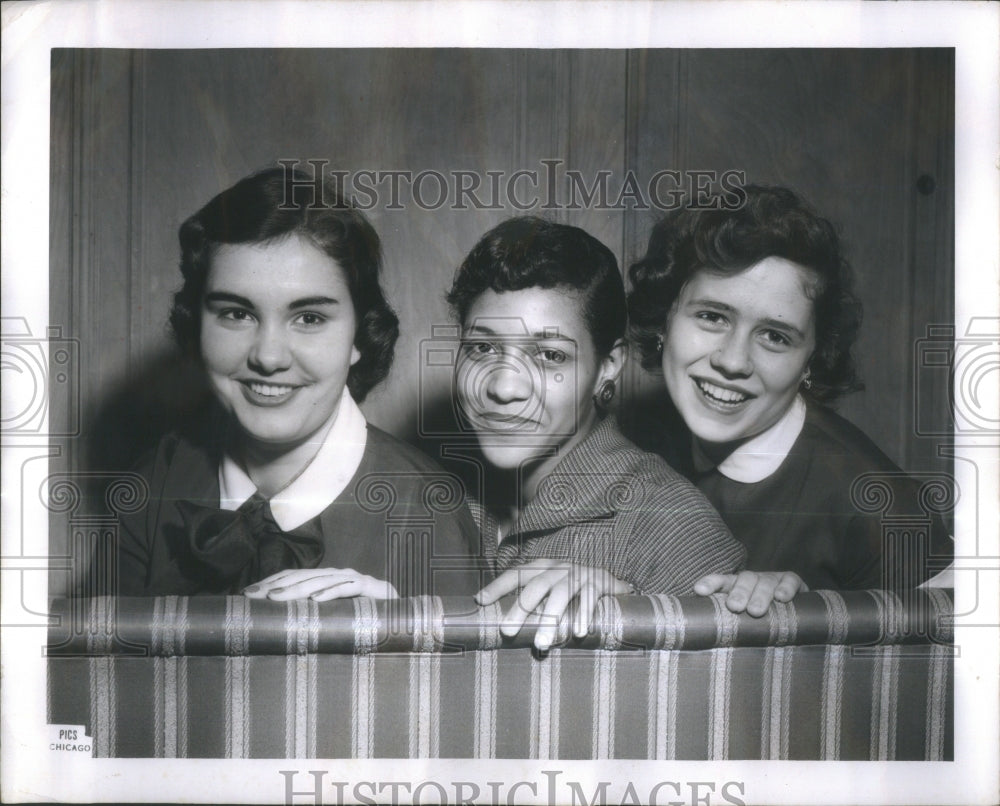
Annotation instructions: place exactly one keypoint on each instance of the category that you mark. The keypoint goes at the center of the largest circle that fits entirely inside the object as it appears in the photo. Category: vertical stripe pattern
(885, 690)
(848, 702)
(718, 703)
(302, 641)
(366, 628)
(546, 673)
(425, 677)
(727, 623)
(783, 623)
(169, 626)
(237, 670)
(775, 703)
(485, 735)
(424, 702)
(103, 704)
(831, 702)
(605, 667)
(838, 617)
(942, 619)
(937, 692)
(661, 739)
(535, 710)
(668, 619)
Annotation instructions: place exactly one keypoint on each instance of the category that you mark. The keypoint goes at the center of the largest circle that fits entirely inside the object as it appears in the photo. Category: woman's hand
(320, 585)
(752, 591)
(562, 586)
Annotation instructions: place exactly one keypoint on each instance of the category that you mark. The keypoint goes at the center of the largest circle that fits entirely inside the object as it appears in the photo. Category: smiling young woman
(282, 308)
(751, 316)
(573, 510)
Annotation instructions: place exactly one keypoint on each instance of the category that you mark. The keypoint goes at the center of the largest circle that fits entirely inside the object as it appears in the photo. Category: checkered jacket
(610, 504)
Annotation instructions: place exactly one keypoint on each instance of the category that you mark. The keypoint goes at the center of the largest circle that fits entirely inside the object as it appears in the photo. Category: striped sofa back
(858, 675)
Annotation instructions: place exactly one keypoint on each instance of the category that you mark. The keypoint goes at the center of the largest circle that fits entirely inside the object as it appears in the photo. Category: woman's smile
(526, 375)
(277, 338)
(268, 394)
(727, 398)
(499, 421)
(737, 346)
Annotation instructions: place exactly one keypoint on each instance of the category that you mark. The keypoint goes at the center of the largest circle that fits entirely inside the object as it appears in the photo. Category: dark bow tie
(246, 545)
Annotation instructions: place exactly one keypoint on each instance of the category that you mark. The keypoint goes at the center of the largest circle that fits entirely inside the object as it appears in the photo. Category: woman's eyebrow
(549, 334)
(226, 296)
(478, 330)
(777, 324)
(711, 303)
(236, 299)
(309, 302)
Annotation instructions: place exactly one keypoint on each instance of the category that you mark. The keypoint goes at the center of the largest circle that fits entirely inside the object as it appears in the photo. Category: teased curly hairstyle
(774, 222)
(274, 204)
(529, 252)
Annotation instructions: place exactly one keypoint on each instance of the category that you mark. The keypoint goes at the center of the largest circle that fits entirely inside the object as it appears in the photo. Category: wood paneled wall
(141, 139)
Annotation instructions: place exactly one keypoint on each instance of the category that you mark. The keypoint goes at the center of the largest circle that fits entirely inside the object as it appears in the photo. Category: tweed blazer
(610, 504)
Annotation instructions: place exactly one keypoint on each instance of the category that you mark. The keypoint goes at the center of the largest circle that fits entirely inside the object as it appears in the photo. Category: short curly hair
(273, 204)
(774, 222)
(529, 252)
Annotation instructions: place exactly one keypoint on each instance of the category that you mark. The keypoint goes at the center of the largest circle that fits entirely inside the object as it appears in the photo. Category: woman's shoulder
(611, 445)
(647, 472)
(393, 454)
(828, 436)
(180, 458)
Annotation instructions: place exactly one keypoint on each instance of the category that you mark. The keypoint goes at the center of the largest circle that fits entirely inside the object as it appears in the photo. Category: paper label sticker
(70, 739)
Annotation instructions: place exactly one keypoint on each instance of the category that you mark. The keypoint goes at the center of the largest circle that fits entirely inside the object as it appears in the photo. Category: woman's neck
(273, 471)
(717, 452)
(272, 468)
(514, 490)
(773, 442)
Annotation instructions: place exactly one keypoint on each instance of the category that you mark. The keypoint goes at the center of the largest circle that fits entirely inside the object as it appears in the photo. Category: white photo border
(30, 30)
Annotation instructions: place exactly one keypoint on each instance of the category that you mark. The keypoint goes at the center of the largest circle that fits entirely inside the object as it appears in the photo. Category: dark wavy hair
(530, 252)
(774, 222)
(274, 204)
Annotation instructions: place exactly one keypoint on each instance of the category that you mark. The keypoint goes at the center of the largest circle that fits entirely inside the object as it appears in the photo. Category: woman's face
(526, 374)
(736, 348)
(277, 338)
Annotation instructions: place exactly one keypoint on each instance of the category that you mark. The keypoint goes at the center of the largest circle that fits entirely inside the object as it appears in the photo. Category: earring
(606, 394)
(659, 344)
(805, 380)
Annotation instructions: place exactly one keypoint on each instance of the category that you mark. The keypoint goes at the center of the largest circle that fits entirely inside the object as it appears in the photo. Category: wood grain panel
(848, 129)
(142, 139)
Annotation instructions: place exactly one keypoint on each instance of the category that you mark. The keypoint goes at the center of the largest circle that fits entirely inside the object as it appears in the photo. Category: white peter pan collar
(321, 482)
(759, 457)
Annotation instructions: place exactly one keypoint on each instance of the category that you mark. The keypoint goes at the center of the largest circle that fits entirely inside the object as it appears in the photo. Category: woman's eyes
(776, 338)
(310, 319)
(552, 356)
(715, 321)
(235, 315)
(710, 317)
(481, 350)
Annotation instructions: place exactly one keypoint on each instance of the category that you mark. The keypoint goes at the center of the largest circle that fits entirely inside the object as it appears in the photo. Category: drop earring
(806, 382)
(605, 394)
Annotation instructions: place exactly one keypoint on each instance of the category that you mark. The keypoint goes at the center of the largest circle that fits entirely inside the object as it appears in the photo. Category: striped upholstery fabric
(861, 675)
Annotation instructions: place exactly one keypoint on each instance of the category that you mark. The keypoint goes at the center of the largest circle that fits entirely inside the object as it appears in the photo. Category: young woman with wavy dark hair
(272, 495)
(572, 509)
(751, 316)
